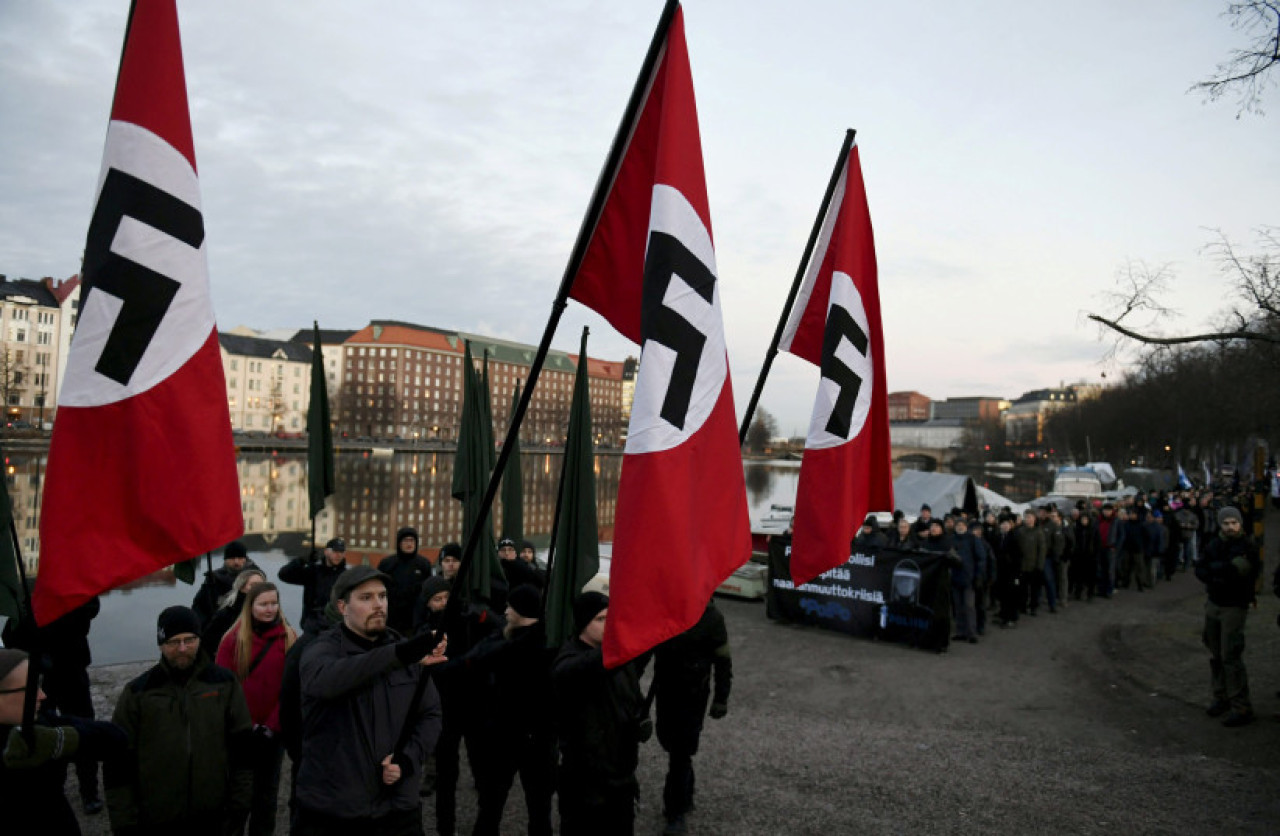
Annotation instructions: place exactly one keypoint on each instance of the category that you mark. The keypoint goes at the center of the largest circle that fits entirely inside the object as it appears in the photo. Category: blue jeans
(1051, 581)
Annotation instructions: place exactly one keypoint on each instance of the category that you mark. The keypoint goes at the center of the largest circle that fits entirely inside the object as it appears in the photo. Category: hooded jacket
(407, 571)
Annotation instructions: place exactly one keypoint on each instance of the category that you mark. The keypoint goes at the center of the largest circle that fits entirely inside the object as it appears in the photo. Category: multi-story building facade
(970, 410)
(404, 381)
(400, 380)
(332, 353)
(909, 406)
(268, 384)
(30, 335)
(1024, 420)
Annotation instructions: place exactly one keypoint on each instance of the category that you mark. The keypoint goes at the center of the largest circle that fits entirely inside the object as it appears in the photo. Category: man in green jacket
(187, 769)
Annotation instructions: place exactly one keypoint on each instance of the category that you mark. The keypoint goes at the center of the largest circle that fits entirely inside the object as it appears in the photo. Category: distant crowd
(1005, 566)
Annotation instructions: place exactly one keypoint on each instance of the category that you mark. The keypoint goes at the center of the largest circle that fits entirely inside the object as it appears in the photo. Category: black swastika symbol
(840, 327)
(666, 259)
(146, 295)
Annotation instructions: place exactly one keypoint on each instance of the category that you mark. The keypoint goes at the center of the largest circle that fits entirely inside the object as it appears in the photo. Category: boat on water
(773, 521)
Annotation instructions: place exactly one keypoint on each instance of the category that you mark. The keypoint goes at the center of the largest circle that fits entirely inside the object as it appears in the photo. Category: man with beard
(404, 572)
(187, 769)
(1228, 566)
(359, 686)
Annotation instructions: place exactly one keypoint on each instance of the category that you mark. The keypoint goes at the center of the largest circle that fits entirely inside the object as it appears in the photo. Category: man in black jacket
(512, 730)
(598, 724)
(1228, 566)
(235, 559)
(405, 571)
(316, 577)
(359, 684)
(683, 667)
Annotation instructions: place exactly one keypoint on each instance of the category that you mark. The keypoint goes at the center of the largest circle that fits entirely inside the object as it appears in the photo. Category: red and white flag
(681, 526)
(835, 324)
(142, 469)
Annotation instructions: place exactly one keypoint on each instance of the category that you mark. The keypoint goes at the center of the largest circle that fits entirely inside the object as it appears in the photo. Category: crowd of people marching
(375, 698)
(1004, 566)
(373, 702)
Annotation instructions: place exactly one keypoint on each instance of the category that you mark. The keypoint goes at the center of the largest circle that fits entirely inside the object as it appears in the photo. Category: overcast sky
(432, 162)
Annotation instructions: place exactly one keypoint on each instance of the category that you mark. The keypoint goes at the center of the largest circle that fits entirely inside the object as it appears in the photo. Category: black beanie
(234, 549)
(175, 621)
(527, 601)
(434, 585)
(451, 550)
(587, 606)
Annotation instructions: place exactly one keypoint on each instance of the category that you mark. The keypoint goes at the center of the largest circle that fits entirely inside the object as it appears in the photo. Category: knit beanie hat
(586, 607)
(527, 601)
(434, 585)
(10, 659)
(234, 549)
(1230, 513)
(175, 621)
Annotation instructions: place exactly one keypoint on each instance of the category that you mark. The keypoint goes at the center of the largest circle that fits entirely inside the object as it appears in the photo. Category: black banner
(899, 595)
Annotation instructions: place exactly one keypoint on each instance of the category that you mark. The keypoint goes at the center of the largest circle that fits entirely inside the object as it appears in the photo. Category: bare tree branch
(1219, 336)
(1248, 70)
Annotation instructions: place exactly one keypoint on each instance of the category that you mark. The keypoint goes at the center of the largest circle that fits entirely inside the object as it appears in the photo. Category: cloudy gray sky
(432, 162)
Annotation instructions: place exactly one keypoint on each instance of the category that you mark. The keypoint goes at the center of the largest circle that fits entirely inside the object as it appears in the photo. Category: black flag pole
(35, 652)
(589, 222)
(795, 285)
(594, 209)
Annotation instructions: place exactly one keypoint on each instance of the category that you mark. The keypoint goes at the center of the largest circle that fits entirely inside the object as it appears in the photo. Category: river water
(375, 496)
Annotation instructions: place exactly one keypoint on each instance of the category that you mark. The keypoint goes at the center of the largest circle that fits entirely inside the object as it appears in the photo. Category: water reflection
(375, 495)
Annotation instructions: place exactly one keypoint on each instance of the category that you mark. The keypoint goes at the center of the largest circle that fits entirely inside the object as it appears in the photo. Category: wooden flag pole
(795, 286)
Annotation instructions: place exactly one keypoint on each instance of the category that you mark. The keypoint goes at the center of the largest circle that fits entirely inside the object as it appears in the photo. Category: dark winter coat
(683, 666)
(407, 572)
(1229, 568)
(188, 760)
(510, 678)
(1029, 542)
(217, 583)
(356, 694)
(316, 577)
(598, 715)
(969, 550)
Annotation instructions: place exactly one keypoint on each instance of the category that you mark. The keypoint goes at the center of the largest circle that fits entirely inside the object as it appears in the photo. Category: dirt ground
(1087, 721)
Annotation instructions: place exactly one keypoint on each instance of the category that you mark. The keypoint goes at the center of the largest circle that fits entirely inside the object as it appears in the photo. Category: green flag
(186, 570)
(513, 484)
(320, 470)
(471, 467)
(577, 545)
(12, 595)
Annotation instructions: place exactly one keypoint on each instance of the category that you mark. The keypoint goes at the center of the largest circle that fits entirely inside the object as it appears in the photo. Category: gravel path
(1087, 721)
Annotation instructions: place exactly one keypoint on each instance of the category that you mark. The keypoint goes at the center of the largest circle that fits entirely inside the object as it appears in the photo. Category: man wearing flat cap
(316, 575)
(359, 689)
(1228, 566)
(187, 769)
